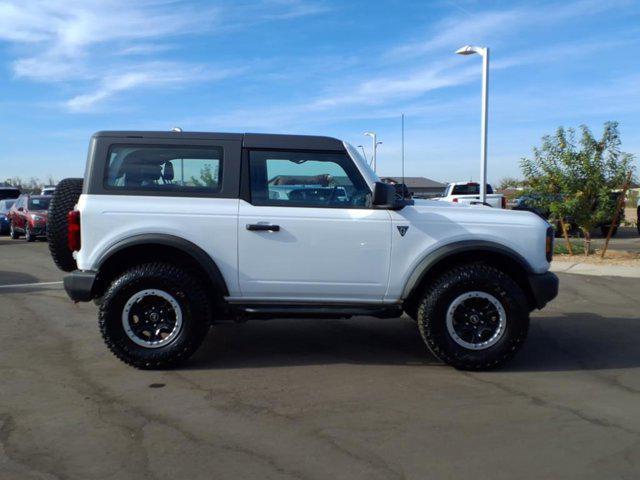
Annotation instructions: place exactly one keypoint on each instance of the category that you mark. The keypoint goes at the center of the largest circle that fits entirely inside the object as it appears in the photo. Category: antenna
(403, 151)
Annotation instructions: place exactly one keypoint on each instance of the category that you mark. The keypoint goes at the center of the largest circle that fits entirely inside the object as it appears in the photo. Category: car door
(306, 232)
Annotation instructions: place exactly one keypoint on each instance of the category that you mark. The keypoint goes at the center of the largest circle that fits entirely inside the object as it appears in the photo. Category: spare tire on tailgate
(64, 200)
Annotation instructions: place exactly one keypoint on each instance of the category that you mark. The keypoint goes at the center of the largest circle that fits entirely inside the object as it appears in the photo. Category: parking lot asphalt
(316, 399)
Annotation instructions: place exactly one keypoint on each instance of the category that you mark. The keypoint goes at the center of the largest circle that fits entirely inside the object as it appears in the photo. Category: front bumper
(79, 285)
(544, 287)
(39, 229)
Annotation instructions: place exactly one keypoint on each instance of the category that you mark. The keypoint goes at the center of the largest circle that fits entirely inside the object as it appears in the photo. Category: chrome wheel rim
(152, 318)
(476, 320)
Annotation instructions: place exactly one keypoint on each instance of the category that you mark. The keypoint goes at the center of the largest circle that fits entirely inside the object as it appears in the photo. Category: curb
(579, 268)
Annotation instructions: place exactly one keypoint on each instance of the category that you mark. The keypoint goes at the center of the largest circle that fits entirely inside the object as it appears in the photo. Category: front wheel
(474, 317)
(154, 316)
(28, 234)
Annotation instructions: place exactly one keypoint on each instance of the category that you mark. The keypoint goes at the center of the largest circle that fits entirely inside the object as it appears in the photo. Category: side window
(306, 179)
(164, 168)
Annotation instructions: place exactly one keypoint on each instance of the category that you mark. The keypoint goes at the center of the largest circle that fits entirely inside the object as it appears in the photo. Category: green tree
(208, 177)
(575, 177)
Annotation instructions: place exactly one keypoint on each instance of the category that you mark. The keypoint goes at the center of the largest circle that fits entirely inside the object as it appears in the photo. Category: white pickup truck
(469, 193)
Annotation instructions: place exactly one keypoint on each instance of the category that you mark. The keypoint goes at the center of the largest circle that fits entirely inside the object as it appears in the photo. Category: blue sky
(315, 67)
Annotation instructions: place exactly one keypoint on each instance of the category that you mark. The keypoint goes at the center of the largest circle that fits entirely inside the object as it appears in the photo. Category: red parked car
(28, 216)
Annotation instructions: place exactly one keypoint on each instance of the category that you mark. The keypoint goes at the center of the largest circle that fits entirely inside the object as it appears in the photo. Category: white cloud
(74, 41)
(493, 27)
(150, 75)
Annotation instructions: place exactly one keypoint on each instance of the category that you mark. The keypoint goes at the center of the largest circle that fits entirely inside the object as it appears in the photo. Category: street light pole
(484, 53)
(375, 143)
(364, 154)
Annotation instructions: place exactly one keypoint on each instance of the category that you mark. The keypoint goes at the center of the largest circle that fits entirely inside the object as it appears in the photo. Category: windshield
(5, 205)
(39, 203)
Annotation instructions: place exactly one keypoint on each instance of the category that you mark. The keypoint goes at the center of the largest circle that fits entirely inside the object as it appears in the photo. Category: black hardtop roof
(249, 140)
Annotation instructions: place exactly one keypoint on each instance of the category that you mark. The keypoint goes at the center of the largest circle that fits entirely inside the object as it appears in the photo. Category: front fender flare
(434, 257)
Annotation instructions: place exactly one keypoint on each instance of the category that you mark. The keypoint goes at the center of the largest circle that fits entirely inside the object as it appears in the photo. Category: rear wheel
(64, 199)
(12, 231)
(474, 317)
(154, 316)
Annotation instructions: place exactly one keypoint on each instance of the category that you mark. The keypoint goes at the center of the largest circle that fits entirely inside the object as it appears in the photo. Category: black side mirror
(384, 196)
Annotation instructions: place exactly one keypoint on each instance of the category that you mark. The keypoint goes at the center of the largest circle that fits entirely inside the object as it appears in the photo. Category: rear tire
(474, 317)
(178, 302)
(12, 232)
(64, 200)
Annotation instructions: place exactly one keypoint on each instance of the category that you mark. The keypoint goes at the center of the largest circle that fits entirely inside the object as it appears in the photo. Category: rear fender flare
(203, 259)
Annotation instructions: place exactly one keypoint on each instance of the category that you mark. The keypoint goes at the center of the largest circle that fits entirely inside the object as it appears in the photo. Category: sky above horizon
(316, 67)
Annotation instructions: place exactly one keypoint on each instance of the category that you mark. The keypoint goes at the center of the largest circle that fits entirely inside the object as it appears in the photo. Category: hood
(433, 223)
(478, 213)
(40, 213)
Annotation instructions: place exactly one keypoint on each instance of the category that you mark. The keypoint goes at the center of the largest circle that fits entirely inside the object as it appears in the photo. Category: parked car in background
(28, 216)
(5, 206)
(9, 192)
(48, 190)
(469, 193)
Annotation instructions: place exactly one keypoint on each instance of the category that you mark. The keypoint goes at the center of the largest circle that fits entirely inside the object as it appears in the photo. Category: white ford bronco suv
(171, 232)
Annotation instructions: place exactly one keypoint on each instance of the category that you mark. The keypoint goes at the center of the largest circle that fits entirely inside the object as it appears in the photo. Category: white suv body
(336, 242)
(319, 254)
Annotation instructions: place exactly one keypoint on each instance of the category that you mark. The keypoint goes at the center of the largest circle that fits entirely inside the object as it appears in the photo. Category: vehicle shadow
(578, 341)
(297, 342)
(12, 278)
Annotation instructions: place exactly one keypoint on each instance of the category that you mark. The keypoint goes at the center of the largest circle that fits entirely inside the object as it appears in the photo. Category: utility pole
(403, 149)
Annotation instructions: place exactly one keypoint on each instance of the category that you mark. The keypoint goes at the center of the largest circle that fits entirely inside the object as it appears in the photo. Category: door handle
(262, 227)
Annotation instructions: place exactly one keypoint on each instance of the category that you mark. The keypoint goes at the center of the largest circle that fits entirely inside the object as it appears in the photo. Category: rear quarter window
(163, 168)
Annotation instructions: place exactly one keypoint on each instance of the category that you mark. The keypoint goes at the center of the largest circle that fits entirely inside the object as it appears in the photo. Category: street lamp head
(470, 50)
(369, 134)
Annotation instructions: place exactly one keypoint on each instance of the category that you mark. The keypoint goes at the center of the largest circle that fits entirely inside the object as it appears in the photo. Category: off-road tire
(465, 278)
(64, 200)
(12, 232)
(177, 282)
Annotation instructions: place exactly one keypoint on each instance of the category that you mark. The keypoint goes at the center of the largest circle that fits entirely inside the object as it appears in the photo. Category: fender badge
(402, 229)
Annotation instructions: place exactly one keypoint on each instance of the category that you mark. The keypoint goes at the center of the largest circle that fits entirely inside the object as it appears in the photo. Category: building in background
(420, 187)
